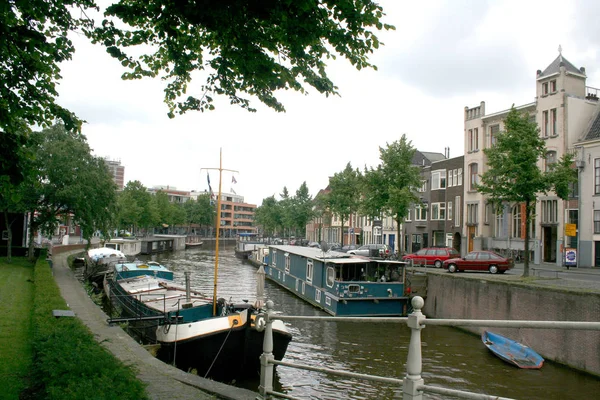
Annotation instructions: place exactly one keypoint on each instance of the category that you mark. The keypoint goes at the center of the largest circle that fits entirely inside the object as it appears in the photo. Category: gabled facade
(588, 190)
(437, 220)
(562, 110)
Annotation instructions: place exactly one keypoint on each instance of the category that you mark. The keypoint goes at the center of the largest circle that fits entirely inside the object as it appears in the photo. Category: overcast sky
(443, 56)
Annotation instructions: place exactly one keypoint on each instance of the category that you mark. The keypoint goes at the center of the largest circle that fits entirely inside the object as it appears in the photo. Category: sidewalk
(164, 381)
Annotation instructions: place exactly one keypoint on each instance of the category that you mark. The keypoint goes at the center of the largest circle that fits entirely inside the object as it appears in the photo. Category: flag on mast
(209, 187)
(233, 179)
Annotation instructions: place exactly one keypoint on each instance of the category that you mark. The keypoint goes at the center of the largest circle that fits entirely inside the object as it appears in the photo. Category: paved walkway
(164, 381)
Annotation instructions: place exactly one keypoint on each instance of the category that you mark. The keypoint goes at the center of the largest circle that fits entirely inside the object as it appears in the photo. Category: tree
(34, 43)
(514, 175)
(303, 211)
(69, 181)
(268, 215)
(147, 213)
(245, 48)
(400, 178)
(344, 196)
(200, 211)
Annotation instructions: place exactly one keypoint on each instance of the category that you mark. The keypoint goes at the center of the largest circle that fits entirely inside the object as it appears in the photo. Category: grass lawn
(16, 335)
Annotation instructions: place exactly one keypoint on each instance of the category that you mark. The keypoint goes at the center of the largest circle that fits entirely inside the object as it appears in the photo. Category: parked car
(348, 247)
(314, 244)
(480, 261)
(372, 250)
(334, 246)
(432, 256)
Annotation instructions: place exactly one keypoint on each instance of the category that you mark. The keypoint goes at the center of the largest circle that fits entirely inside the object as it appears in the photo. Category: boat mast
(218, 227)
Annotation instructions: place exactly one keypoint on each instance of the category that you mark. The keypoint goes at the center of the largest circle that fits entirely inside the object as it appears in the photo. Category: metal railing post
(266, 366)
(414, 364)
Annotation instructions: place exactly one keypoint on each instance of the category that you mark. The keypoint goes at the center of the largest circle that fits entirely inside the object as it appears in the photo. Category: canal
(451, 358)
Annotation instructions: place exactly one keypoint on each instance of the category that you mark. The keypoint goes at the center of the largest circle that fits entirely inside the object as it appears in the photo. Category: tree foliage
(514, 174)
(400, 179)
(344, 197)
(244, 48)
(268, 215)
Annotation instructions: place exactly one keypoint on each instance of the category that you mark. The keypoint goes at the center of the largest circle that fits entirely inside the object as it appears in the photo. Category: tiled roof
(433, 156)
(554, 67)
(593, 131)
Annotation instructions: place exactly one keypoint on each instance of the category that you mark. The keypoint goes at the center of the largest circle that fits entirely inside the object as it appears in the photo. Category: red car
(432, 256)
(480, 261)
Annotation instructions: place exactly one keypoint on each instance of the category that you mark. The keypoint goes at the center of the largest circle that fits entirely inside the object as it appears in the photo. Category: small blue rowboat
(511, 351)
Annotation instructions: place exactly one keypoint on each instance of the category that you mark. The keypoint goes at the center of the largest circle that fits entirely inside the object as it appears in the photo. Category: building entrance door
(471, 237)
(549, 241)
(596, 254)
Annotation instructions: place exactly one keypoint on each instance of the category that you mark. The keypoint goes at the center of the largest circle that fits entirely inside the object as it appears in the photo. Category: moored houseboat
(339, 283)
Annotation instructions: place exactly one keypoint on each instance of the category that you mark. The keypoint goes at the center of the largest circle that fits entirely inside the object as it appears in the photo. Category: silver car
(372, 250)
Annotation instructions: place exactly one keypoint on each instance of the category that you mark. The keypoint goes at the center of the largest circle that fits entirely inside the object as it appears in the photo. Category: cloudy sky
(443, 56)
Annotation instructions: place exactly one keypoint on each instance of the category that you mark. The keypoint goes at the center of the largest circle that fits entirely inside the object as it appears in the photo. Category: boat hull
(512, 351)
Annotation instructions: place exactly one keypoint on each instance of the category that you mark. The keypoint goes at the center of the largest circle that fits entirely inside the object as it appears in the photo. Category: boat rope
(235, 322)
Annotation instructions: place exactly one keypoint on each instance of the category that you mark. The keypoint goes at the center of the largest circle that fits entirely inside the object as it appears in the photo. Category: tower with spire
(562, 108)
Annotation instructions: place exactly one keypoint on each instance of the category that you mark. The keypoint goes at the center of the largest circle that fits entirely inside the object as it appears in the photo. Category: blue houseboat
(339, 283)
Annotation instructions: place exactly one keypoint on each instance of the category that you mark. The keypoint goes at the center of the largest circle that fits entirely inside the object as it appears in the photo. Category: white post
(266, 367)
(414, 364)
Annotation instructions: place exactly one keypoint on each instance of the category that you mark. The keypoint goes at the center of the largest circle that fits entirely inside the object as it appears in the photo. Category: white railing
(412, 386)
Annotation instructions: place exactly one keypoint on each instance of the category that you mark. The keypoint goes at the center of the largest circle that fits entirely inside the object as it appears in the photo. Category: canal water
(451, 358)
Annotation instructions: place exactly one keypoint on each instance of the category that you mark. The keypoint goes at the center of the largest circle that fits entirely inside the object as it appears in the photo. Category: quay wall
(462, 297)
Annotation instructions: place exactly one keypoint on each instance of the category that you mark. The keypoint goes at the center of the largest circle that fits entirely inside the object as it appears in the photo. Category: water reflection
(451, 358)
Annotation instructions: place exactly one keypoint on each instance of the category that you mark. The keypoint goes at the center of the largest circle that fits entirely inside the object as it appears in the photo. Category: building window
(545, 88)
(553, 121)
(499, 228)
(494, 129)
(287, 262)
(549, 211)
(596, 221)
(486, 215)
(474, 177)
(309, 271)
(545, 123)
(470, 139)
(450, 179)
(420, 213)
(408, 215)
(550, 160)
(553, 86)
(423, 187)
(438, 179)
(597, 176)
(438, 211)
(450, 211)
(459, 176)
(476, 135)
(457, 211)
(516, 227)
(472, 211)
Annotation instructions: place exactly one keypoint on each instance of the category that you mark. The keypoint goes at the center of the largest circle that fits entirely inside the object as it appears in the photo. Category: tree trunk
(527, 222)
(342, 231)
(398, 235)
(9, 243)
(32, 229)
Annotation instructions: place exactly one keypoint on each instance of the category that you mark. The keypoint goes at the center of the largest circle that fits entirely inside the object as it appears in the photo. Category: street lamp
(580, 164)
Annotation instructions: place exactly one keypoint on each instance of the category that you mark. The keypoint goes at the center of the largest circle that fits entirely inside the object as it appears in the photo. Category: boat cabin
(340, 283)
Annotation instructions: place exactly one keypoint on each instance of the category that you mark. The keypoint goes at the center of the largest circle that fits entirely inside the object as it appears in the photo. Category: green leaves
(244, 48)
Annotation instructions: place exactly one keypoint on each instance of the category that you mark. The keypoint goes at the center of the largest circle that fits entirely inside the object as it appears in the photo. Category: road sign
(571, 257)
(570, 230)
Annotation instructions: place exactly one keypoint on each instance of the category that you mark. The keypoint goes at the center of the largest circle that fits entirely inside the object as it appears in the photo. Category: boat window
(309, 271)
(327, 300)
(318, 296)
(353, 288)
(287, 262)
(330, 276)
(274, 261)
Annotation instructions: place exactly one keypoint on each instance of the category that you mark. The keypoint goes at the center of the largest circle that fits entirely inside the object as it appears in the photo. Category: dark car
(432, 256)
(314, 244)
(372, 250)
(480, 261)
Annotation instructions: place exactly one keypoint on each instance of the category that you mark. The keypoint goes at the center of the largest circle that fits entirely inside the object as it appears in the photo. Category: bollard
(414, 364)
(266, 367)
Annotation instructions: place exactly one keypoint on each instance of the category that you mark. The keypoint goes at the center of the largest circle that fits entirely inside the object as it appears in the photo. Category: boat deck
(161, 295)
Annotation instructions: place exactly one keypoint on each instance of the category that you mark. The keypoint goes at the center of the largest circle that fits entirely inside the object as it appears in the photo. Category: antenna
(324, 246)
